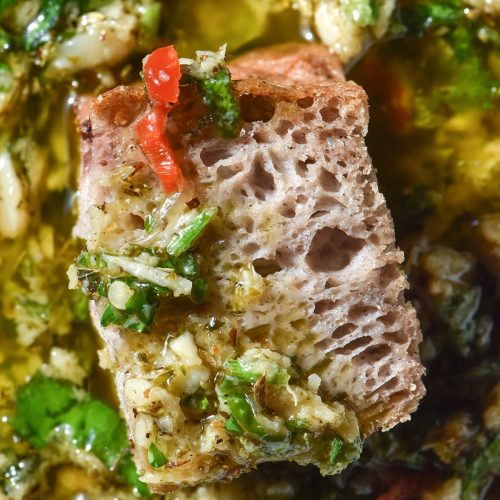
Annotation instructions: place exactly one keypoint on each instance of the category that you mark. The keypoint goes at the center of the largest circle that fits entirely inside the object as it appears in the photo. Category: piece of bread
(299, 203)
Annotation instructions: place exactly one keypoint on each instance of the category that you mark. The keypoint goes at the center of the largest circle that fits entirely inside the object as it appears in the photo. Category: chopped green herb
(40, 405)
(186, 265)
(150, 224)
(198, 400)
(47, 406)
(233, 427)
(242, 371)
(279, 378)
(213, 81)
(155, 457)
(200, 291)
(335, 447)
(184, 240)
(38, 30)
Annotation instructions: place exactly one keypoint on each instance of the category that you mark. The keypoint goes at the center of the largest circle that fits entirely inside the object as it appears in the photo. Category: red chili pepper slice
(156, 147)
(162, 72)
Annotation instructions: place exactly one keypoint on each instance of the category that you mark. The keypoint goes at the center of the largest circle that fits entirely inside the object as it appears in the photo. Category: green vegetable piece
(113, 316)
(242, 371)
(44, 405)
(186, 266)
(150, 224)
(38, 30)
(199, 291)
(335, 448)
(485, 463)
(280, 378)
(198, 400)
(233, 427)
(187, 236)
(5, 42)
(213, 81)
(155, 457)
(40, 406)
(219, 98)
(242, 411)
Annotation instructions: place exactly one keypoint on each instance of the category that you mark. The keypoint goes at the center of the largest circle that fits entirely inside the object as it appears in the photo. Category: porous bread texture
(304, 202)
(299, 200)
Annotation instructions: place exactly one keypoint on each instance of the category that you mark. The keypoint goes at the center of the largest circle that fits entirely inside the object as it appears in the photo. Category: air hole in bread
(350, 120)
(136, 221)
(227, 171)
(329, 114)
(330, 134)
(328, 181)
(261, 137)
(300, 198)
(331, 283)
(384, 371)
(213, 153)
(284, 256)
(250, 248)
(247, 223)
(360, 311)
(256, 108)
(370, 382)
(368, 195)
(299, 137)
(283, 127)
(287, 211)
(398, 336)
(343, 330)
(305, 102)
(265, 267)
(353, 345)
(326, 202)
(331, 250)
(388, 274)
(261, 181)
(301, 166)
(388, 319)
(372, 354)
(324, 305)
(370, 223)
